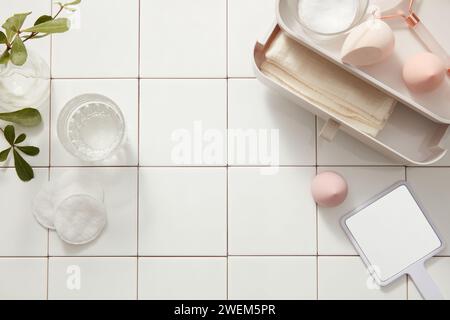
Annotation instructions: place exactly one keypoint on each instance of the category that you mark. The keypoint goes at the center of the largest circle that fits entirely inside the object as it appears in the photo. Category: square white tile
(183, 122)
(267, 129)
(119, 238)
(92, 278)
(346, 278)
(183, 39)
(99, 48)
(271, 214)
(23, 278)
(439, 270)
(182, 211)
(123, 92)
(346, 150)
(38, 8)
(182, 278)
(431, 186)
(363, 183)
(248, 20)
(20, 233)
(272, 278)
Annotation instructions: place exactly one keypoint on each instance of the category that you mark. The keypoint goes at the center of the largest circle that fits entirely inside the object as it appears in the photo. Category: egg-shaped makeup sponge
(329, 189)
(369, 43)
(424, 72)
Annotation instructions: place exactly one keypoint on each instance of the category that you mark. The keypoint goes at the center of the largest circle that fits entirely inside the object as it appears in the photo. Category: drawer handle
(329, 130)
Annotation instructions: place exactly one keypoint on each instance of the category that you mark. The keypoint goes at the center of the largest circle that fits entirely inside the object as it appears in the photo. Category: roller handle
(430, 42)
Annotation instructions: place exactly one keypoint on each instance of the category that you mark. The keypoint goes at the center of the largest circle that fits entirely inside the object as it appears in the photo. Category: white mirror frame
(414, 266)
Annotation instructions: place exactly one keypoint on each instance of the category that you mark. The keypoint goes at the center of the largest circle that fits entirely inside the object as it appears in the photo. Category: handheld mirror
(394, 237)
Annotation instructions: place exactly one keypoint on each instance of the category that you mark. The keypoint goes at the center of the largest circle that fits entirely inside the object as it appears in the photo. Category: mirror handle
(424, 283)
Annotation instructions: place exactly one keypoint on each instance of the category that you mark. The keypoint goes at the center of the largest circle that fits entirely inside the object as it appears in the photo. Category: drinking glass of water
(91, 127)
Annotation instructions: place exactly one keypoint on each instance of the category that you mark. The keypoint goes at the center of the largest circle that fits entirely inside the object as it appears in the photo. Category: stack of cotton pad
(73, 206)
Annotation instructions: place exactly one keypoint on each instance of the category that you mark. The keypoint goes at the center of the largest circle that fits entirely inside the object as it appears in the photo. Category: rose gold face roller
(404, 9)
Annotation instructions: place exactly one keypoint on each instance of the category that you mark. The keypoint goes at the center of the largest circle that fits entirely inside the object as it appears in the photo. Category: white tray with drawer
(415, 131)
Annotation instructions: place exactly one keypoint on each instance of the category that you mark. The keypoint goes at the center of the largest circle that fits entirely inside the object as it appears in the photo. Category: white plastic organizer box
(415, 131)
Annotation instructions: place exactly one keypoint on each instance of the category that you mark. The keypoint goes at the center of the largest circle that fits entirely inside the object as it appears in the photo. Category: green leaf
(23, 169)
(59, 25)
(3, 39)
(10, 35)
(29, 150)
(4, 58)
(10, 134)
(73, 3)
(27, 117)
(70, 9)
(14, 23)
(19, 53)
(43, 19)
(4, 154)
(20, 138)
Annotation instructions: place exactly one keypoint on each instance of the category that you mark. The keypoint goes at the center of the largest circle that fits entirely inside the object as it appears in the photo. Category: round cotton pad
(44, 207)
(80, 219)
(90, 188)
(48, 198)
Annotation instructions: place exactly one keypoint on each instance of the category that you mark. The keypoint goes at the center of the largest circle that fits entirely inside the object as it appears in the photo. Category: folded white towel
(324, 84)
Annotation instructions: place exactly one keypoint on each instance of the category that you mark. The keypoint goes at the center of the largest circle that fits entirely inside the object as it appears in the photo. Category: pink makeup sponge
(424, 72)
(329, 189)
(369, 43)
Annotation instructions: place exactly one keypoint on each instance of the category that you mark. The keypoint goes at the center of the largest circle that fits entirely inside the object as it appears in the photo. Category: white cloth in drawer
(324, 84)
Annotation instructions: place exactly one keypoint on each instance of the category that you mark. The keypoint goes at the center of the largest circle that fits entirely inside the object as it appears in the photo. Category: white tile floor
(195, 229)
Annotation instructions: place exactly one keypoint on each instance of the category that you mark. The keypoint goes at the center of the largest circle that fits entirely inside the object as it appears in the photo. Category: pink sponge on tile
(329, 189)
(424, 72)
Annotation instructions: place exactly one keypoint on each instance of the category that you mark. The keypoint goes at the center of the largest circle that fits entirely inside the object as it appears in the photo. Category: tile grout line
(49, 149)
(226, 160)
(151, 78)
(139, 148)
(137, 237)
(317, 210)
(197, 256)
(225, 166)
(48, 251)
(407, 276)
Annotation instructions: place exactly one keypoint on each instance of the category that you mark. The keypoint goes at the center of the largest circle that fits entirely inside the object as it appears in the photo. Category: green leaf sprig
(15, 36)
(27, 117)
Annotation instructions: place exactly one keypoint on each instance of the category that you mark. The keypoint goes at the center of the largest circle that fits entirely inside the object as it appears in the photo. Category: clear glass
(24, 86)
(91, 127)
(320, 12)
